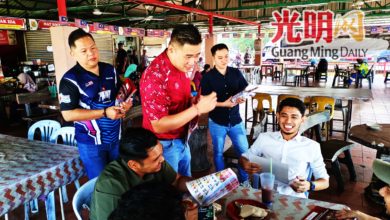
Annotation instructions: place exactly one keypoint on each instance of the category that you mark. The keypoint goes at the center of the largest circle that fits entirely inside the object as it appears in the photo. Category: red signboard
(42, 24)
(12, 23)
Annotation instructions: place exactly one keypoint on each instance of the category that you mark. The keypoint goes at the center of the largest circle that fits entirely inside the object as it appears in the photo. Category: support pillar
(63, 61)
(209, 42)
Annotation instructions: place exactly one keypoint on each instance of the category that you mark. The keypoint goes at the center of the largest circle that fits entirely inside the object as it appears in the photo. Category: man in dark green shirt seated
(140, 161)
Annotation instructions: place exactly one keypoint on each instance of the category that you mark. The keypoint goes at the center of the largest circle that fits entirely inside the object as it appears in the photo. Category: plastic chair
(282, 97)
(341, 76)
(369, 77)
(331, 149)
(46, 128)
(82, 197)
(260, 97)
(67, 135)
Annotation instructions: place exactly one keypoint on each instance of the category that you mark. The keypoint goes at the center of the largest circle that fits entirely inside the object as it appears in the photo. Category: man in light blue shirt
(301, 154)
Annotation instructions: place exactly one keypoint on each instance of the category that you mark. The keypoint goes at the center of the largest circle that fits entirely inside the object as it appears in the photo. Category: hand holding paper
(280, 170)
(246, 93)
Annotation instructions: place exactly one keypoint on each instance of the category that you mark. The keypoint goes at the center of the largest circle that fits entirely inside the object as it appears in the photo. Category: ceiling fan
(147, 18)
(96, 11)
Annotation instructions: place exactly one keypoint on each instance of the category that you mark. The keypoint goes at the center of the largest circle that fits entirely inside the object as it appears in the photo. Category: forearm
(221, 104)
(180, 183)
(321, 184)
(172, 122)
(82, 114)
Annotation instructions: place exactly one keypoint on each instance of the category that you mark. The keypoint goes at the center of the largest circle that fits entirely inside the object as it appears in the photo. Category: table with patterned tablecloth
(29, 169)
(284, 207)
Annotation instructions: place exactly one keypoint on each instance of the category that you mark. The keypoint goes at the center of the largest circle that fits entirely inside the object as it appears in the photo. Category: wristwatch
(312, 186)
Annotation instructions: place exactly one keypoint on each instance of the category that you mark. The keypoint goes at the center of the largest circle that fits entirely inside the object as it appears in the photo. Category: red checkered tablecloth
(284, 207)
(29, 169)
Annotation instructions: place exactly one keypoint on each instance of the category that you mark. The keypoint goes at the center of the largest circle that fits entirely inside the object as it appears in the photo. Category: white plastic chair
(46, 128)
(67, 135)
(82, 197)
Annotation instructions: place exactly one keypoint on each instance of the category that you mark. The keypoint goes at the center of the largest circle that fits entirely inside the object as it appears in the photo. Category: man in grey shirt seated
(287, 146)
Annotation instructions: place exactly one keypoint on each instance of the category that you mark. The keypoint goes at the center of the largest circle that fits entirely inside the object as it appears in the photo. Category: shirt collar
(297, 138)
(168, 62)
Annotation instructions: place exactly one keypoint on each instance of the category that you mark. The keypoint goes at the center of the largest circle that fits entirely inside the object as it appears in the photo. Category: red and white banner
(12, 23)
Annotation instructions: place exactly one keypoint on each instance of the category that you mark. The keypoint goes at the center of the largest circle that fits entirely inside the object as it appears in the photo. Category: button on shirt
(301, 154)
(225, 86)
(164, 90)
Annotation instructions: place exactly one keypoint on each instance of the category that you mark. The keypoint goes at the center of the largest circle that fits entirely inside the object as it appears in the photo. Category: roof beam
(193, 10)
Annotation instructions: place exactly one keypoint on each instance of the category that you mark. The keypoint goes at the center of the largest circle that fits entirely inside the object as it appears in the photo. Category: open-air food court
(194, 109)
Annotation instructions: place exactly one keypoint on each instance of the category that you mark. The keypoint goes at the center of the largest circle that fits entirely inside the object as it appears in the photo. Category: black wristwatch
(104, 112)
(312, 186)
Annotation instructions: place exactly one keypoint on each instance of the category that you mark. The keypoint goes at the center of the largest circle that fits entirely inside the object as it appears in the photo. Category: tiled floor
(376, 110)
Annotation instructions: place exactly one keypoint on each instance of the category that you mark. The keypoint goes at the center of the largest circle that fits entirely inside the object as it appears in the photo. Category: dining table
(32, 169)
(283, 207)
(374, 136)
(337, 93)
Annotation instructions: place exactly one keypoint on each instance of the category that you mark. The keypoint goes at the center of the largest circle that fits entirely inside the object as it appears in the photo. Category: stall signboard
(7, 37)
(46, 24)
(155, 33)
(12, 23)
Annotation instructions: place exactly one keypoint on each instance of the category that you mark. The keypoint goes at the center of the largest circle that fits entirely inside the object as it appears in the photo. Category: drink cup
(267, 185)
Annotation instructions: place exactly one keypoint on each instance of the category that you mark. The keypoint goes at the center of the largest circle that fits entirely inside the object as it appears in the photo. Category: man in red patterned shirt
(166, 96)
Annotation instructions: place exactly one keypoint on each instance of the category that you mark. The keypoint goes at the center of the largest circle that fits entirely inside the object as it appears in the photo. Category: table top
(366, 136)
(284, 207)
(29, 169)
(337, 93)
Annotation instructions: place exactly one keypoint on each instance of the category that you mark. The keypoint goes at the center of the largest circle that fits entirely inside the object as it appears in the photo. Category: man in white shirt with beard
(301, 154)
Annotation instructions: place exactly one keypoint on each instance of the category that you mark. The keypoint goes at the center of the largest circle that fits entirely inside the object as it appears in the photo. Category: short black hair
(150, 201)
(135, 144)
(218, 47)
(77, 34)
(206, 66)
(186, 34)
(120, 44)
(293, 102)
